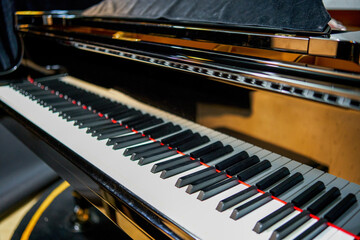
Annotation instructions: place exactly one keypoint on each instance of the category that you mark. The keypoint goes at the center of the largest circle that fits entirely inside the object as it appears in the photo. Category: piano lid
(279, 15)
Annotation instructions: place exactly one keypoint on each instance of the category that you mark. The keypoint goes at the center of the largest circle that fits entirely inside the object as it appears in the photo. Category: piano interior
(281, 103)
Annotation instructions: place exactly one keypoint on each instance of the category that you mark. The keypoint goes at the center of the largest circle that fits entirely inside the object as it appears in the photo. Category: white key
(340, 235)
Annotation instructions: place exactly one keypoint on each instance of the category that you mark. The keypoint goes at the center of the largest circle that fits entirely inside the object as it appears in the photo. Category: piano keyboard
(212, 185)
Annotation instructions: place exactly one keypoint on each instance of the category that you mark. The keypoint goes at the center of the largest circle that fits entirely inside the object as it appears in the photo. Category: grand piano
(185, 129)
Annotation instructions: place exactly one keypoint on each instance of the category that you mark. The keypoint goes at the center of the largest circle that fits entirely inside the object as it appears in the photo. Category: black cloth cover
(10, 49)
(8, 42)
(297, 15)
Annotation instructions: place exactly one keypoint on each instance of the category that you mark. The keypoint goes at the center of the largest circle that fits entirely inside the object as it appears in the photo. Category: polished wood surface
(326, 134)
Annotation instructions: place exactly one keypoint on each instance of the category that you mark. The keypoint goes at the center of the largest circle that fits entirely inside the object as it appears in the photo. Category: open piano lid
(279, 15)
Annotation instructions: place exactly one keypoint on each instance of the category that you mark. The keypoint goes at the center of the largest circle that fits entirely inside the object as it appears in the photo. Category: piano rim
(110, 194)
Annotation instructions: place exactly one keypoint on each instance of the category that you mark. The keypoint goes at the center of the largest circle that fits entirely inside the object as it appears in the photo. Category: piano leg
(82, 218)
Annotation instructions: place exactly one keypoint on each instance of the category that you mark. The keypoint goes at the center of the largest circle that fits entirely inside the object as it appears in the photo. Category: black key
(115, 111)
(29, 88)
(147, 124)
(287, 184)
(26, 93)
(58, 104)
(100, 105)
(313, 230)
(129, 143)
(169, 163)
(112, 132)
(250, 206)
(39, 93)
(120, 113)
(50, 104)
(188, 179)
(236, 198)
(60, 109)
(109, 106)
(254, 170)
(18, 85)
(126, 114)
(95, 131)
(48, 100)
(81, 116)
(124, 117)
(205, 182)
(142, 148)
(92, 118)
(181, 141)
(112, 141)
(241, 166)
(95, 122)
(125, 138)
(48, 97)
(158, 128)
(308, 194)
(196, 142)
(179, 168)
(24, 85)
(273, 218)
(86, 118)
(162, 130)
(87, 100)
(290, 226)
(231, 160)
(140, 120)
(93, 99)
(340, 208)
(324, 200)
(217, 188)
(135, 120)
(149, 159)
(216, 154)
(29, 92)
(150, 152)
(207, 149)
(52, 101)
(176, 137)
(73, 112)
(273, 178)
(43, 96)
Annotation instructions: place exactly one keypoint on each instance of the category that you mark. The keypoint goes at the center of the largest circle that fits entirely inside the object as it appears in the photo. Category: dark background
(10, 46)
